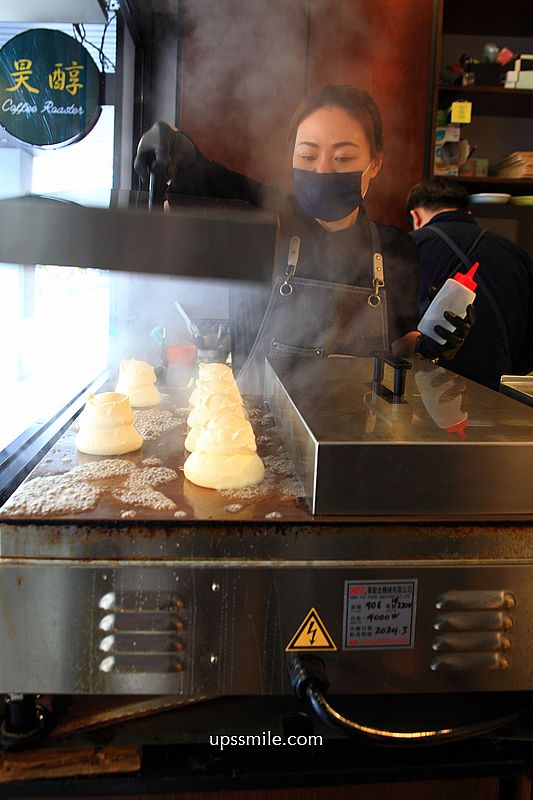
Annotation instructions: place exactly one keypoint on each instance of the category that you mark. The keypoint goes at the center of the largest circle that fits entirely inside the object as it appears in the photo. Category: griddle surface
(192, 502)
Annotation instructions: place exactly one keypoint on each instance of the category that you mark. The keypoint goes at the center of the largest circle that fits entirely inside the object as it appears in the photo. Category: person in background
(343, 285)
(449, 239)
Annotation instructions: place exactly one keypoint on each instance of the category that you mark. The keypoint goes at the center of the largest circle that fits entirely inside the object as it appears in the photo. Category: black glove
(164, 149)
(433, 351)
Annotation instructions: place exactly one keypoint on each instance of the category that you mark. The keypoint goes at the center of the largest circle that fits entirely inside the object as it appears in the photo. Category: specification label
(379, 615)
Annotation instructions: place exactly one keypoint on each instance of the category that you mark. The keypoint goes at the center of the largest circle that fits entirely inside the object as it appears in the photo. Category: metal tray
(520, 387)
(448, 446)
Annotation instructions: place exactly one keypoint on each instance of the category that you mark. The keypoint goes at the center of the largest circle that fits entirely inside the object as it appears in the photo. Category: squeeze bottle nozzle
(467, 278)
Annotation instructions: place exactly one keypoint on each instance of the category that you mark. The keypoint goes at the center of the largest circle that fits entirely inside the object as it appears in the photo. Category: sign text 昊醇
(49, 88)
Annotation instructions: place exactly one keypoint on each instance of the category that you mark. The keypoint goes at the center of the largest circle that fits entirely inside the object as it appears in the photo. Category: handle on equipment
(399, 365)
(157, 186)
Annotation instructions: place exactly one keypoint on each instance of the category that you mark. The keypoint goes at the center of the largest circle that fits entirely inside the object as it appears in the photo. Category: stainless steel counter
(216, 600)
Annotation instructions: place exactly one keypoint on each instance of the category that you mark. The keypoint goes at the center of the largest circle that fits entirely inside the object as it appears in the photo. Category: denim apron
(309, 318)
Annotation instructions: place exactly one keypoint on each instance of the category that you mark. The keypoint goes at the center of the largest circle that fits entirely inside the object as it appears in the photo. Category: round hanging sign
(49, 88)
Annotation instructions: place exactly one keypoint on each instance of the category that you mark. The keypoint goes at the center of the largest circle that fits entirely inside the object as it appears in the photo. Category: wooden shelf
(513, 186)
(493, 179)
(492, 20)
(475, 89)
(491, 101)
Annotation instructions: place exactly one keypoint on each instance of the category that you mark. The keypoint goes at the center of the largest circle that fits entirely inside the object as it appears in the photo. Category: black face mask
(328, 196)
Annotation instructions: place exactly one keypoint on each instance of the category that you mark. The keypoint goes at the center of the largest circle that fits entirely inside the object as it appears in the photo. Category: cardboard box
(443, 163)
(448, 133)
(481, 167)
(468, 168)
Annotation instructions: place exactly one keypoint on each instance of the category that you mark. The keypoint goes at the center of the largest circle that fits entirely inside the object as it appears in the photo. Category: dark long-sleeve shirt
(507, 271)
(341, 257)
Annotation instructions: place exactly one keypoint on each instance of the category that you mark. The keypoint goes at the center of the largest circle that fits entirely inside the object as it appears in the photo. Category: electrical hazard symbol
(311, 635)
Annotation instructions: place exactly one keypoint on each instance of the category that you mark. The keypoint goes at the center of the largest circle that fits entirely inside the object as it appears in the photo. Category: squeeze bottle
(455, 295)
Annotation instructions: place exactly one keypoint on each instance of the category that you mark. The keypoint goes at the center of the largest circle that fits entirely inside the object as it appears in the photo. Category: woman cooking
(343, 284)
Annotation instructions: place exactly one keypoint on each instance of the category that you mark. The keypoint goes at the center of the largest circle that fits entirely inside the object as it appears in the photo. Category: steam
(250, 64)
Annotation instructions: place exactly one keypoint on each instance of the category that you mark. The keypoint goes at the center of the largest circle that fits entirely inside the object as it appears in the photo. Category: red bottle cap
(467, 279)
(459, 428)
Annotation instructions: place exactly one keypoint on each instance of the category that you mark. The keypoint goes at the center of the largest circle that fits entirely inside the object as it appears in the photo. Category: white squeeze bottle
(456, 294)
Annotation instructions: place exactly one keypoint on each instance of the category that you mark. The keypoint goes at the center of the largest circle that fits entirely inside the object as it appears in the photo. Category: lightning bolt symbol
(311, 631)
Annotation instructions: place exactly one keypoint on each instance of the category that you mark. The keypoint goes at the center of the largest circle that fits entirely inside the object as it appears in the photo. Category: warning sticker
(379, 615)
(311, 635)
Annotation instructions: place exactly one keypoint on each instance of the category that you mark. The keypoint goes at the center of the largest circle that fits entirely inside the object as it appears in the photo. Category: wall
(246, 66)
(383, 46)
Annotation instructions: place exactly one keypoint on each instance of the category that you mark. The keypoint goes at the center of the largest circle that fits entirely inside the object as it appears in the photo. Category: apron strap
(292, 264)
(378, 271)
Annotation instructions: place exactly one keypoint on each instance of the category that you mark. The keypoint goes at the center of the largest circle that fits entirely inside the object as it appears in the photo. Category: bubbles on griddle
(150, 476)
(54, 494)
(152, 422)
(179, 514)
(138, 489)
(279, 465)
(234, 508)
(274, 515)
(254, 413)
(280, 481)
(292, 488)
(144, 496)
(99, 470)
(152, 461)
(81, 488)
(129, 514)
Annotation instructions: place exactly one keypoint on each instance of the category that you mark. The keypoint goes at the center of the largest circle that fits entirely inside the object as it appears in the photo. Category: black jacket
(507, 272)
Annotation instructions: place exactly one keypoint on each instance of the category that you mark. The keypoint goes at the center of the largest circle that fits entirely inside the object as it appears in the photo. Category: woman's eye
(344, 159)
(306, 157)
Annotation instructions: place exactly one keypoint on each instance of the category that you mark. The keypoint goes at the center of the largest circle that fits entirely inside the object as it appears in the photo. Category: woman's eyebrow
(336, 144)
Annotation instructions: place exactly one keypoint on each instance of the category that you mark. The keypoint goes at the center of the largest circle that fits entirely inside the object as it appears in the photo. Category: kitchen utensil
(191, 326)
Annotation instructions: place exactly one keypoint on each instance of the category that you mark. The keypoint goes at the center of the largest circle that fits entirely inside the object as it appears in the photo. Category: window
(55, 321)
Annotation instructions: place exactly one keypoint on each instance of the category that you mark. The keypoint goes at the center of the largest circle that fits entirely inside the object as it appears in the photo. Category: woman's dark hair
(436, 193)
(358, 103)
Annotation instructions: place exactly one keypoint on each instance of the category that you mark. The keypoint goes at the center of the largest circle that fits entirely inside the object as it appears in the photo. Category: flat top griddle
(321, 419)
(279, 495)
(274, 525)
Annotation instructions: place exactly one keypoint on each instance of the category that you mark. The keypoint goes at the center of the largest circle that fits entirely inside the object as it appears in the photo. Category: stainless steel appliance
(405, 564)
(215, 596)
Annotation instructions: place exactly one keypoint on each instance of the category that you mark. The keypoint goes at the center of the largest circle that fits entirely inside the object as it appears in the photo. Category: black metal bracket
(399, 365)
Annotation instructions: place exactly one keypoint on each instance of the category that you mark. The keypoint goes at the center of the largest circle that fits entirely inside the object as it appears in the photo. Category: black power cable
(81, 34)
(309, 681)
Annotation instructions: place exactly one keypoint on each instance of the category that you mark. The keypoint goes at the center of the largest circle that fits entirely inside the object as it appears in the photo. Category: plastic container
(456, 294)
(442, 404)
